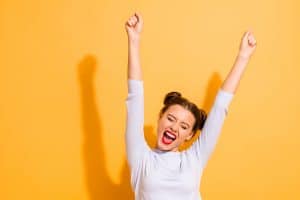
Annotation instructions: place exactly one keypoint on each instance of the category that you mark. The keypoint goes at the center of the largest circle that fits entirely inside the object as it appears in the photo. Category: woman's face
(175, 126)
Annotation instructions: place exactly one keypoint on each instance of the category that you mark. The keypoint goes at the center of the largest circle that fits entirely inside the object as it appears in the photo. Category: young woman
(164, 173)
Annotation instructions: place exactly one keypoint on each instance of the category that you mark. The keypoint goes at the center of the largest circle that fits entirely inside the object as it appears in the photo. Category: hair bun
(171, 96)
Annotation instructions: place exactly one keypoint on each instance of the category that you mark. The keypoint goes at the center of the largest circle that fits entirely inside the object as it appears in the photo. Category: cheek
(160, 126)
(185, 134)
(163, 123)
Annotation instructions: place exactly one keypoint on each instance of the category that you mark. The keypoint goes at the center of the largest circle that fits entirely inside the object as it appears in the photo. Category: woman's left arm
(206, 143)
(247, 48)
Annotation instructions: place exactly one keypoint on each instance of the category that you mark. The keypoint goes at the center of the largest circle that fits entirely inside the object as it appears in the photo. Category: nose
(174, 128)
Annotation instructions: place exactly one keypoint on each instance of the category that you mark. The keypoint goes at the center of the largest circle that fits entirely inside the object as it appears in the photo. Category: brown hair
(175, 98)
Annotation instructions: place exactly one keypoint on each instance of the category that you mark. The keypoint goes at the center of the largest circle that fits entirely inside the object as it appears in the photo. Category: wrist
(134, 41)
(243, 56)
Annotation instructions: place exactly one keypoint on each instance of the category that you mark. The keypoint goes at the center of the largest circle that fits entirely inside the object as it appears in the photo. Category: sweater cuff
(135, 86)
(224, 98)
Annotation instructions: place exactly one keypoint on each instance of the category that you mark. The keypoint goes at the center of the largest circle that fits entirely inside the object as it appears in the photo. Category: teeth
(170, 135)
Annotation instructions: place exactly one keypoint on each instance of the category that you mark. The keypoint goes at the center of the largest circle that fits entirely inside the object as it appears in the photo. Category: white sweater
(157, 175)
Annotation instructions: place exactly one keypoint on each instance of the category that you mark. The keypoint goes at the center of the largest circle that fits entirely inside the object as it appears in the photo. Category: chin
(161, 146)
(164, 147)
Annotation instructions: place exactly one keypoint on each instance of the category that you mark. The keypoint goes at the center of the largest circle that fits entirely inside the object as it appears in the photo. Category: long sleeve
(134, 136)
(206, 142)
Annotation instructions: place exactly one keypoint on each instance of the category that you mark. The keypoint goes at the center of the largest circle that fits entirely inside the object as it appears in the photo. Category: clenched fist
(134, 27)
(248, 45)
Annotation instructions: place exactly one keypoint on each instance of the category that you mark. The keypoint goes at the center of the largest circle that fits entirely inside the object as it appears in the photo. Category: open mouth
(168, 137)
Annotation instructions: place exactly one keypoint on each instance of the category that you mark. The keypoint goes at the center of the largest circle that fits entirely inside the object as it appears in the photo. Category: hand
(134, 27)
(248, 45)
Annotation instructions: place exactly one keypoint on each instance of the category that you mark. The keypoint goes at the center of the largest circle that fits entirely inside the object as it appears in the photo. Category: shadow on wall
(98, 183)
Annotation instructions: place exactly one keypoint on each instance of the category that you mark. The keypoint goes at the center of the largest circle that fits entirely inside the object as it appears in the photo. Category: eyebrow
(181, 122)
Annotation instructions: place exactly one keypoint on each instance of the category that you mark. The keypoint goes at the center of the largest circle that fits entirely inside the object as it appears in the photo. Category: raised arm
(205, 144)
(247, 47)
(134, 27)
(136, 145)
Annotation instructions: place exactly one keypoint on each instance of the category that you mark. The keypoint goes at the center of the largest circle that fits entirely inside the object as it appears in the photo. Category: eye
(184, 127)
(170, 119)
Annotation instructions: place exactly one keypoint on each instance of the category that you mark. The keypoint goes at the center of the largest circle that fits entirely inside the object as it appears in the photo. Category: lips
(168, 137)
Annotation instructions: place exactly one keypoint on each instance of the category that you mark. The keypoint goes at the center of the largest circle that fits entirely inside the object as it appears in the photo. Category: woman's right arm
(134, 137)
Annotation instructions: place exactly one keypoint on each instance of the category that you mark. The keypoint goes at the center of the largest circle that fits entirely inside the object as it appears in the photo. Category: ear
(190, 136)
(159, 117)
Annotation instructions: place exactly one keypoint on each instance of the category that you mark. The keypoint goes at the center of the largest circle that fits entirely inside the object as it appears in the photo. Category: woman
(164, 173)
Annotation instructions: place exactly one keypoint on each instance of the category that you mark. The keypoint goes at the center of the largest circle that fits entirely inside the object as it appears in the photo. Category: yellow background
(63, 88)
